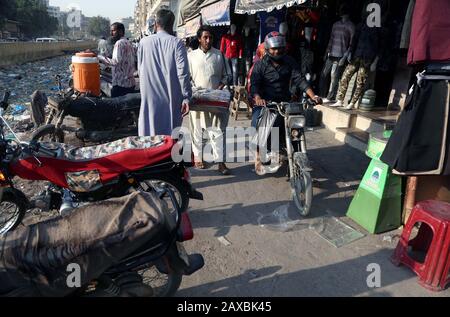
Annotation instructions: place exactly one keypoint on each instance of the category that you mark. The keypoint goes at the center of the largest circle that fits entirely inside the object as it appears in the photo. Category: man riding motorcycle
(276, 78)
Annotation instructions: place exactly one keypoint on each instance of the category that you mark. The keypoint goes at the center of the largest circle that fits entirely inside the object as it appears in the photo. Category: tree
(34, 18)
(99, 26)
(8, 10)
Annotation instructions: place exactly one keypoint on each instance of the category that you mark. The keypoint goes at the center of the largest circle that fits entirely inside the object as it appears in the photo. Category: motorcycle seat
(119, 146)
(99, 164)
(91, 107)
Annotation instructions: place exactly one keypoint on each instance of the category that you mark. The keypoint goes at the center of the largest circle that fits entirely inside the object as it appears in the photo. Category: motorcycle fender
(176, 259)
(193, 193)
(182, 253)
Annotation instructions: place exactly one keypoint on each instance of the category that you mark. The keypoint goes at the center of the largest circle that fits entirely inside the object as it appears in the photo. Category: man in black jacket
(276, 78)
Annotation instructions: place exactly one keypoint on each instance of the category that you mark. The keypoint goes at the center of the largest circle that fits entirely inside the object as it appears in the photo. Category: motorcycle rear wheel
(12, 211)
(176, 185)
(163, 285)
(48, 133)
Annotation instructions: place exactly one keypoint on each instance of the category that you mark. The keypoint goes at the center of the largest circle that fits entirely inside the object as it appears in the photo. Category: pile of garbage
(23, 80)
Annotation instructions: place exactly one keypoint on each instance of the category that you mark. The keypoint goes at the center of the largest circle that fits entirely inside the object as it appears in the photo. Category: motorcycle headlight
(297, 122)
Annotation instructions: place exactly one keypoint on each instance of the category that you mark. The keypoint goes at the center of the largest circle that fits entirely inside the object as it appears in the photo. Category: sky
(112, 9)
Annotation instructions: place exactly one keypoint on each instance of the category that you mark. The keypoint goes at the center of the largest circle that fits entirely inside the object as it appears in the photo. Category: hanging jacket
(232, 46)
(430, 40)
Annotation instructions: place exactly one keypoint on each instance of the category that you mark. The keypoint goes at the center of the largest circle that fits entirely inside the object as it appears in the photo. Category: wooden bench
(240, 103)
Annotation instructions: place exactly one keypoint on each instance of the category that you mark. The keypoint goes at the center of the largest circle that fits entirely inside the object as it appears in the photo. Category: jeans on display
(331, 68)
(235, 70)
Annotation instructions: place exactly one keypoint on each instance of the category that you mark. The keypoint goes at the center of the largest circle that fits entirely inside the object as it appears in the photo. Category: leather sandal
(200, 165)
(224, 170)
(259, 169)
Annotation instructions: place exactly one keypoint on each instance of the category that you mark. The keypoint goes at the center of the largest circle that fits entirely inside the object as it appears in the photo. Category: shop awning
(254, 6)
(216, 12)
(192, 26)
(189, 9)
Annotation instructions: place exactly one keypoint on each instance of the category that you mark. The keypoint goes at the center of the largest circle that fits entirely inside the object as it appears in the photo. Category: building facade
(45, 3)
(54, 11)
(11, 29)
(145, 9)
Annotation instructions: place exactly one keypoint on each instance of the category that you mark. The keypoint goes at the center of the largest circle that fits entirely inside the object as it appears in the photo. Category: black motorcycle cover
(104, 111)
(92, 106)
(34, 260)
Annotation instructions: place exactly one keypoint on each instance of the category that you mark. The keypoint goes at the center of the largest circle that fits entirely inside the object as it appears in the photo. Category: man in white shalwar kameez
(164, 79)
(209, 71)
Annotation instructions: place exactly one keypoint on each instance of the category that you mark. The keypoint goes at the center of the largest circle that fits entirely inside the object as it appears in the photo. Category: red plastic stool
(433, 239)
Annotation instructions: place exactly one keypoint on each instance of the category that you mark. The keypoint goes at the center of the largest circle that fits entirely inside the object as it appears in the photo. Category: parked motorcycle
(83, 175)
(102, 119)
(125, 247)
(295, 151)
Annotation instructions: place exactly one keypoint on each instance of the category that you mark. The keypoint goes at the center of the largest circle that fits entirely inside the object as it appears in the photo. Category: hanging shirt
(250, 44)
(430, 39)
(341, 38)
(208, 70)
(122, 63)
(406, 30)
(366, 44)
(232, 46)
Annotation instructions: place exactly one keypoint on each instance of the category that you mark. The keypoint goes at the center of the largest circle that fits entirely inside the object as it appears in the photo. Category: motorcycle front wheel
(303, 192)
(48, 133)
(12, 211)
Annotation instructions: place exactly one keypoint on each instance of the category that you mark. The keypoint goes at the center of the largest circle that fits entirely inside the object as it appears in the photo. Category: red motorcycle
(87, 174)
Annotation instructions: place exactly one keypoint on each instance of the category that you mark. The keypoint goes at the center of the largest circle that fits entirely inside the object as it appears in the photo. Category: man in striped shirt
(122, 62)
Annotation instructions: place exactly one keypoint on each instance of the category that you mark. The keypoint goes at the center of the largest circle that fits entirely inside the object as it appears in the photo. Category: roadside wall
(18, 53)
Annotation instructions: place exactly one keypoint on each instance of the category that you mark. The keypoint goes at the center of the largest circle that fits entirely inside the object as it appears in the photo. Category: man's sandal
(259, 169)
(200, 165)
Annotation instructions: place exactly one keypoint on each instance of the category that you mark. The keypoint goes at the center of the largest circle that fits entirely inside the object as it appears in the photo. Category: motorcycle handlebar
(38, 148)
(309, 102)
(47, 152)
